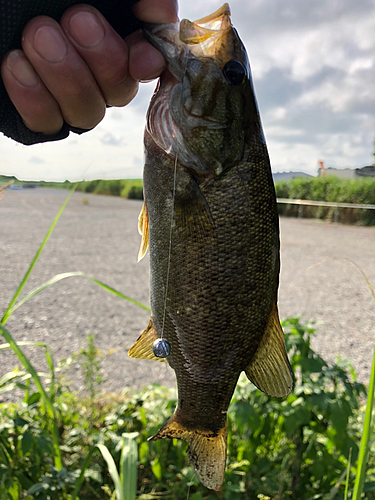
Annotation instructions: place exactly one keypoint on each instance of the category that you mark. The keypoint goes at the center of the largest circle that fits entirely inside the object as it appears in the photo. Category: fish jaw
(211, 105)
(210, 37)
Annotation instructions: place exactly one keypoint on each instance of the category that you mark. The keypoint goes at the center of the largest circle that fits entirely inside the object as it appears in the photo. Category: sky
(313, 67)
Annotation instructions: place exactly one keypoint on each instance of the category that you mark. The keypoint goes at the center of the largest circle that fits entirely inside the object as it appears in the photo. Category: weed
(300, 448)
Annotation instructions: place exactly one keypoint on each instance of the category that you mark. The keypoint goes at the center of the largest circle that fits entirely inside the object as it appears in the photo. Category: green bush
(135, 193)
(126, 188)
(332, 189)
(88, 186)
(296, 448)
(133, 189)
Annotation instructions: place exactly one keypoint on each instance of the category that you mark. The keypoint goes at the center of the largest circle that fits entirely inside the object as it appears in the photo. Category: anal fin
(143, 229)
(270, 369)
(142, 349)
(207, 450)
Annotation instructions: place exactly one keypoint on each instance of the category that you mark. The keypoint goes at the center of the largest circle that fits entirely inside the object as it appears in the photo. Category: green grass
(314, 444)
(126, 188)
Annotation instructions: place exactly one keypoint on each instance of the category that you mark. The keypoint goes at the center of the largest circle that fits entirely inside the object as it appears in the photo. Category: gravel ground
(98, 235)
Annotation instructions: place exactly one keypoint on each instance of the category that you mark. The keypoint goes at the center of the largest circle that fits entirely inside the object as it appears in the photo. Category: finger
(145, 62)
(37, 107)
(156, 11)
(63, 72)
(103, 50)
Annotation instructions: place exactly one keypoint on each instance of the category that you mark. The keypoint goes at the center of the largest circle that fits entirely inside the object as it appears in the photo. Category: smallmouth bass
(210, 221)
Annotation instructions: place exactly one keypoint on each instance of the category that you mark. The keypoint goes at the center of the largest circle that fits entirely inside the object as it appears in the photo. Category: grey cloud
(276, 88)
(316, 120)
(36, 160)
(110, 140)
(274, 15)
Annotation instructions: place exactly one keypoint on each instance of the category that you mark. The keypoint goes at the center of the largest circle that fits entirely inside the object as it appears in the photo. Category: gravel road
(98, 235)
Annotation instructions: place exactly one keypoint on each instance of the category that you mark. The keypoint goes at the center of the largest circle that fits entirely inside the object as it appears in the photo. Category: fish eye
(234, 72)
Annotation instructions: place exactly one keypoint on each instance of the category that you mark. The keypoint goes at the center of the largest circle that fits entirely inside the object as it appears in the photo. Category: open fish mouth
(208, 70)
(212, 37)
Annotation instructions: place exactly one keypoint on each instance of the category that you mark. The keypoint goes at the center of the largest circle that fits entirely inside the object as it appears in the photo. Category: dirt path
(100, 238)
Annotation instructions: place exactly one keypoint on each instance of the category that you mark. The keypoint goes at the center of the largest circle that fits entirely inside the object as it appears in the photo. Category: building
(343, 173)
(368, 171)
(287, 176)
(348, 173)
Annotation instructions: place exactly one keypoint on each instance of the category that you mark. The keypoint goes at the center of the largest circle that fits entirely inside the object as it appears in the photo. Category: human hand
(72, 70)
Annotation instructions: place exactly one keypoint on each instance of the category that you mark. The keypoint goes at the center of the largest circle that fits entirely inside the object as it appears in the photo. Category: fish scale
(210, 220)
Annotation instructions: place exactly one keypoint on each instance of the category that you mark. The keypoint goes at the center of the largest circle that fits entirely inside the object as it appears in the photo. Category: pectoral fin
(143, 229)
(270, 370)
(192, 212)
(142, 349)
(207, 450)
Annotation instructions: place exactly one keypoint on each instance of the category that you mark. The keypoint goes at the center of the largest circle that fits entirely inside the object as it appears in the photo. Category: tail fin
(207, 450)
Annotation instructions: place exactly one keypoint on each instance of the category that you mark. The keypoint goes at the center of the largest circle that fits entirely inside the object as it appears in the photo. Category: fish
(210, 222)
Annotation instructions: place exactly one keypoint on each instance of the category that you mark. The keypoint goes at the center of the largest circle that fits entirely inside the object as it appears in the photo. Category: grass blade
(129, 452)
(26, 364)
(115, 292)
(335, 489)
(59, 277)
(112, 470)
(24, 342)
(347, 475)
(34, 261)
(365, 441)
(81, 478)
(128, 465)
(38, 383)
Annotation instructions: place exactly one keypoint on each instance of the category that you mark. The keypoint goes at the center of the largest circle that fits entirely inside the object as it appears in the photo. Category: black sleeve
(14, 15)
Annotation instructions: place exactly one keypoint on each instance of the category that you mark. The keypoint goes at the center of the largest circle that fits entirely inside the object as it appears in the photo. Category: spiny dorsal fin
(207, 450)
(142, 349)
(270, 370)
(143, 229)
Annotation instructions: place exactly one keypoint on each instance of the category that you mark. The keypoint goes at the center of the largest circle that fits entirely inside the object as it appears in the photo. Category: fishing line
(170, 246)
(161, 347)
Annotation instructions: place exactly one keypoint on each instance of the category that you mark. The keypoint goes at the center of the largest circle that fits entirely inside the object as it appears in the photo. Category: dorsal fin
(142, 349)
(143, 229)
(269, 369)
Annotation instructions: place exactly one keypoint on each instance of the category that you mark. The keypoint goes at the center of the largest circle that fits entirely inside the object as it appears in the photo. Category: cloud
(110, 140)
(313, 66)
(37, 160)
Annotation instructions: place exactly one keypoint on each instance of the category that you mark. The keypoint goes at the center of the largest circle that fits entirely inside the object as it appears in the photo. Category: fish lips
(166, 38)
(211, 37)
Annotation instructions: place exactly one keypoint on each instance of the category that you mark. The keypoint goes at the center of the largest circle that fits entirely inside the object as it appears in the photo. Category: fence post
(337, 214)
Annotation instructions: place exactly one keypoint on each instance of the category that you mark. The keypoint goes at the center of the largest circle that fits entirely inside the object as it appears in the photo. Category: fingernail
(49, 44)
(21, 69)
(86, 29)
